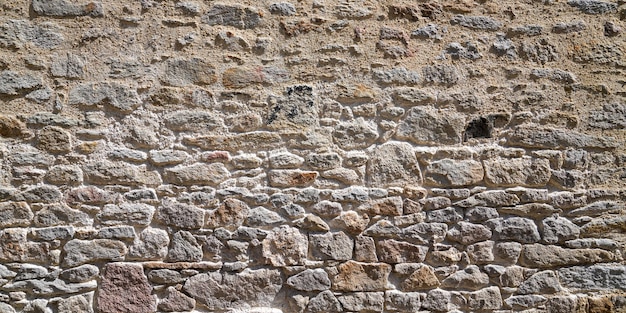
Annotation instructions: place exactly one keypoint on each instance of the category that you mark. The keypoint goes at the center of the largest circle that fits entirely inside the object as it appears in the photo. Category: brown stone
(230, 214)
(285, 246)
(542, 256)
(291, 178)
(384, 206)
(54, 139)
(423, 278)
(393, 251)
(11, 127)
(125, 289)
(356, 276)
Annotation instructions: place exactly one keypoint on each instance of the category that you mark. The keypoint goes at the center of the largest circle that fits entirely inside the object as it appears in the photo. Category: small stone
(310, 280)
(566, 28)
(80, 274)
(11, 127)
(476, 22)
(517, 172)
(291, 178)
(428, 127)
(525, 301)
(65, 175)
(593, 277)
(231, 214)
(233, 15)
(515, 228)
(76, 304)
(167, 157)
(62, 8)
(180, 215)
(59, 214)
(261, 216)
(282, 8)
(54, 139)
(69, 66)
(40, 193)
(184, 72)
(470, 278)
(423, 278)
(118, 96)
(285, 160)
(87, 251)
(324, 302)
(176, 301)
(438, 300)
(53, 233)
(540, 256)
(393, 251)
(356, 276)
(481, 214)
(15, 214)
(184, 248)
(125, 288)
(362, 301)
(468, 233)
(117, 232)
(16, 33)
(331, 246)
(396, 76)
(242, 77)
(485, 299)
(558, 230)
(353, 10)
(401, 301)
(597, 209)
(393, 164)
(545, 282)
(247, 161)
(197, 174)
(532, 136)
(126, 214)
(447, 215)
(285, 246)
(151, 245)
(453, 173)
(481, 252)
(593, 6)
(355, 134)
(507, 252)
(430, 31)
(365, 249)
(14, 84)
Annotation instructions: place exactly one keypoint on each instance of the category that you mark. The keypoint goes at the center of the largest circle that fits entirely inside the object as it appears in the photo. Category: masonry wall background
(312, 156)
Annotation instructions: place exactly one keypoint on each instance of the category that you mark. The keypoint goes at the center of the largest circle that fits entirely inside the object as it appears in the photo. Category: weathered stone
(180, 215)
(242, 77)
(197, 174)
(468, 233)
(15, 214)
(76, 304)
(392, 251)
(310, 280)
(53, 233)
(230, 214)
(481, 214)
(438, 300)
(115, 95)
(593, 277)
(16, 33)
(525, 301)
(401, 301)
(116, 232)
(517, 172)
(53, 287)
(285, 160)
(222, 291)
(362, 301)
(485, 299)
(396, 76)
(291, 178)
(233, 15)
(447, 215)
(356, 276)
(331, 246)
(65, 175)
(80, 274)
(426, 232)
(431, 127)
(393, 164)
(233, 142)
(126, 214)
(184, 248)
(167, 157)
(87, 251)
(62, 8)
(176, 301)
(540, 256)
(285, 246)
(54, 139)
(184, 72)
(11, 127)
(128, 155)
(365, 249)
(14, 84)
(559, 229)
(297, 110)
(354, 9)
(385, 206)
(587, 243)
(612, 116)
(68, 65)
(165, 276)
(544, 282)
(325, 301)
(593, 6)
(453, 173)
(532, 136)
(476, 22)
(355, 134)
(125, 288)
(282, 8)
(597, 209)
(481, 252)
(515, 228)
(531, 210)
(261, 216)
(60, 214)
(423, 278)
(507, 252)
(323, 161)
(470, 278)
(441, 74)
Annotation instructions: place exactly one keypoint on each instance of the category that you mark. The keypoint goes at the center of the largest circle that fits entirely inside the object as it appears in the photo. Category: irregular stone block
(185, 72)
(453, 173)
(517, 172)
(525, 301)
(423, 278)
(233, 15)
(184, 248)
(68, 65)
(86, 251)
(393, 164)
(402, 301)
(544, 282)
(181, 215)
(356, 276)
(15, 33)
(468, 233)
(593, 6)
(54, 287)
(125, 288)
(476, 22)
(310, 280)
(197, 174)
(431, 127)
(363, 301)
(331, 246)
(80, 274)
(53, 233)
(540, 256)
(559, 229)
(176, 301)
(291, 178)
(515, 228)
(242, 77)
(60, 214)
(285, 246)
(470, 278)
(14, 84)
(325, 301)
(15, 214)
(355, 134)
(54, 139)
(14, 247)
(593, 277)
(126, 214)
(151, 245)
(533, 136)
(247, 141)
(63, 8)
(115, 95)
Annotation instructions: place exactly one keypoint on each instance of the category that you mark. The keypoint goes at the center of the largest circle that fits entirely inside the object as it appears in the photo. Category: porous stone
(231, 213)
(357, 276)
(542, 256)
(285, 246)
(121, 97)
(176, 301)
(184, 72)
(80, 274)
(15, 214)
(515, 228)
(181, 215)
(423, 278)
(126, 214)
(453, 173)
(468, 233)
(545, 282)
(125, 288)
(393, 164)
(233, 15)
(517, 172)
(87, 251)
(593, 277)
(362, 301)
(310, 280)
(331, 246)
(184, 248)
(430, 127)
(197, 174)
(62, 8)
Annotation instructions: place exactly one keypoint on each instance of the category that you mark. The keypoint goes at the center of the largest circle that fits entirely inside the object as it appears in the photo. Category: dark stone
(479, 127)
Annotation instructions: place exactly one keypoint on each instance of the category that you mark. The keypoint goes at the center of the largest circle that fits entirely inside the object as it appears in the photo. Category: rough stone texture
(125, 288)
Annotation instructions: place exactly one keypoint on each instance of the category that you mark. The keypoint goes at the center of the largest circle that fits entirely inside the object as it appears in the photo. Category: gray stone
(430, 31)
(14, 247)
(468, 233)
(151, 245)
(566, 28)
(507, 252)
(105, 172)
(76, 304)
(593, 277)
(383, 206)
(426, 232)
(587, 243)
(80, 274)
(89, 195)
(125, 288)
(363, 301)
(396, 76)
(285, 246)
(34, 158)
(282, 8)
(355, 134)
(65, 175)
(540, 256)
(354, 9)
(197, 174)
(53, 233)
(541, 137)
(222, 291)
(525, 301)
(612, 116)
(544, 282)
(441, 74)
(485, 299)
(148, 195)
(60, 214)
(517, 172)
(68, 65)
(88, 251)
(184, 72)
(331, 246)
(325, 301)
(180, 215)
(128, 155)
(597, 209)
(408, 96)
(41, 193)
(476, 22)
(447, 215)
(285, 160)
(323, 161)
(30, 271)
(481, 252)
(515, 228)
(116, 232)
(6, 308)
(466, 51)
(593, 6)
(430, 127)
(15, 214)
(63, 8)
(453, 173)
(438, 300)
(470, 278)
(298, 109)
(310, 280)
(233, 15)
(115, 95)
(167, 157)
(45, 288)
(481, 214)
(176, 301)
(261, 216)
(402, 301)
(126, 214)
(165, 276)
(15, 33)
(531, 210)
(558, 230)
(393, 164)
(184, 248)
(14, 84)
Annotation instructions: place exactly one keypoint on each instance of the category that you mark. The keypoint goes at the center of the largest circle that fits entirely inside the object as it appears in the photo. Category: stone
(63, 8)
(291, 178)
(470, 278)
(11, 127)
(298, 109)
(402, 301)
(362, 301)
(325, 301)
(357, 276)
(43, 288)
(543, 256)
(76, 304)
(185, 72)
(485, 299)
(594, 277)
(53, 233)
(393, 251)
(531, 210)
(476, 22)
(64, 175)
(465, 51)
(356, 10)
(507, 252)
(562, 304)
(261, 216)
(105, 172)
(230, 214)
(396, 76)
(167, 157)
(558, 230)
(544, 282)
(120, 97)
(453, 173)
(69, 66)
(165, 276)
(223, 291)
(541, 137)
(59, 214)
(16, 33)
(87, 251)
(126, 214)
(601, 243)
(14, 84)
(176, 301)
(468, 233)
(80, 274)
(184, 248)
(128, 155)
(437, 300)
(517, 172)
(180, 215)
(15, 214)
(54, 139)
(40, 193)
(310, 280)
(481, 214)
(447, 215)
(393, 164)
(285, 246)
(593, 6)
(242, 77)
(610, 117)
(233, 15)
(355, 134)
(197, 174)
(285, 160)
(597, 209)
(282, 8)
(423, 278)
(365, 249)
(565, 28)
(331, 246)
(247, 161)
(518, 229)
(323, 161)
(525, 301)
(385, 206)
(125, 288)
(481, 252)
(233, 142)
(426, 232)
(426, 126)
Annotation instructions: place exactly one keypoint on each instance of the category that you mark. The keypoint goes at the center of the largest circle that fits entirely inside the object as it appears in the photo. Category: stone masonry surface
(312, 156)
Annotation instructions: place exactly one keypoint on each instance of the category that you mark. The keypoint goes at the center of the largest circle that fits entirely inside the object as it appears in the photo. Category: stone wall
(312, 156)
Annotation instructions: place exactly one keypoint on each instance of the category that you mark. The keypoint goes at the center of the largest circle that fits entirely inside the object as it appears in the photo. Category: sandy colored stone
(357, 276)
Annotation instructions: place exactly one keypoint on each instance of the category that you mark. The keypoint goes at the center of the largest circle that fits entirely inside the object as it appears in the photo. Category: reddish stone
(125, 289)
